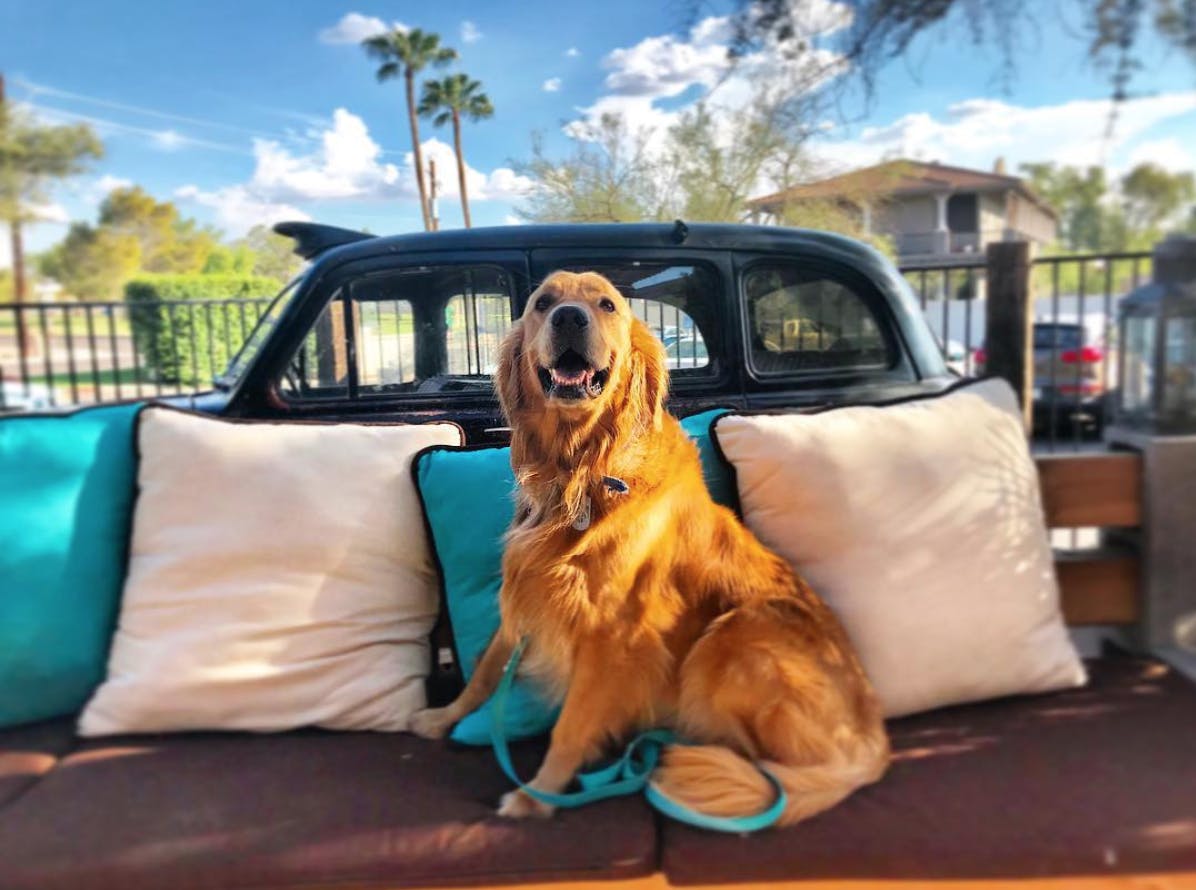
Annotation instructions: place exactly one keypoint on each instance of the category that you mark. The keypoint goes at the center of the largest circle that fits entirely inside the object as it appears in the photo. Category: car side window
(423, 330)
(676, 301)
(802, 320)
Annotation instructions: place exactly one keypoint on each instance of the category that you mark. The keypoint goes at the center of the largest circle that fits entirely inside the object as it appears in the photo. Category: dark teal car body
(405, 328)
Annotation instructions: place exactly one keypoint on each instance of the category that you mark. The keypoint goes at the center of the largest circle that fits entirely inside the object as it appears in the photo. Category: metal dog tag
(582, 522)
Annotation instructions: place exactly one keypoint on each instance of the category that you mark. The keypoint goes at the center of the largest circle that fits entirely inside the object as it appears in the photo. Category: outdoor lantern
(1157, 352)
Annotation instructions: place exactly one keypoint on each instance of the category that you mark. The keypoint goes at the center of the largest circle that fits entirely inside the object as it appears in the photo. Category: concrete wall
(912, 215)
(1030, 220)
(992, 216)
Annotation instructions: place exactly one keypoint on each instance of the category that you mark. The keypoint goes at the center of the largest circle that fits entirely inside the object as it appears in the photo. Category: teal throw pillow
(66, 494)
(716, 471)
(468, 499)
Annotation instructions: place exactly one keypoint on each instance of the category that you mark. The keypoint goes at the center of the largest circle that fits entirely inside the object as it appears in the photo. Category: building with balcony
(936, 215)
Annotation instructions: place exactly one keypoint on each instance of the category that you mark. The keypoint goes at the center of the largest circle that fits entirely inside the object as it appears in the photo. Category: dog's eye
(543, 303)
(607, 305)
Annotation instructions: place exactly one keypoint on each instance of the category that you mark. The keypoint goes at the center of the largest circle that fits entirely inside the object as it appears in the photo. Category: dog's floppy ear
(508, 377)
(649, 374)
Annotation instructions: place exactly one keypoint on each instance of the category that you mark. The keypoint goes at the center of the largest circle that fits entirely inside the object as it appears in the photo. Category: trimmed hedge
(187, 327)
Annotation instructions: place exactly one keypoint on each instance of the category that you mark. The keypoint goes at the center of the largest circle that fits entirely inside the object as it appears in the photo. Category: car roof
(630, 236)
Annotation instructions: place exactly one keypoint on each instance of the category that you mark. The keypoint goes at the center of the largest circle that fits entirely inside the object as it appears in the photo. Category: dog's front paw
(518, 805)
(433, 723)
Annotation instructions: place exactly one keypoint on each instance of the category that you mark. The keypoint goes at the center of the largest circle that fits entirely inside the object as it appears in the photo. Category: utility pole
(434, 191)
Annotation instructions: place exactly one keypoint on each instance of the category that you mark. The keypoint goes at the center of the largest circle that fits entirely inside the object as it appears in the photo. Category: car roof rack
(312, 239)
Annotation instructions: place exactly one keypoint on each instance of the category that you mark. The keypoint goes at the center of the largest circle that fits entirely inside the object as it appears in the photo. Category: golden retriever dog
(645, 604)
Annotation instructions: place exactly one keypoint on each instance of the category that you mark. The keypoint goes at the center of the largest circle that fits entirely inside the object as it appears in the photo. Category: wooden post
(1009, 319)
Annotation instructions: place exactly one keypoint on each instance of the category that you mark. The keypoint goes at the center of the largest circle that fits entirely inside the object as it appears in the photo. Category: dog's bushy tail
(717, 781)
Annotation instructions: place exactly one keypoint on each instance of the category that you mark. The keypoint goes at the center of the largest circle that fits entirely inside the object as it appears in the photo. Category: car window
(677, 301)
(1053, 336)
(425, 330)
(803, 320)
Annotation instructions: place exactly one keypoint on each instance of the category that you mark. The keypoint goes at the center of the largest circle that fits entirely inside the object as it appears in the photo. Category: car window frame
(900, 368)
(513, 263)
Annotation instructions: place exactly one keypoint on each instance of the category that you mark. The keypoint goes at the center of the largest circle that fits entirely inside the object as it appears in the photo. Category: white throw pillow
(921, 525)
(279, 576)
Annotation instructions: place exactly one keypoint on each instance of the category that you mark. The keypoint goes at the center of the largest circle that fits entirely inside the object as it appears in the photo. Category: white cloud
(503, 183)
(50, 212)
(975, 132)
(470, 32)
(512, 219)
(346, 166)
(169, 140)
(668, 65)
(109, 183)
(552, 85)
(815, 18)
(500, 184)
(641, 78)
(639, 113)
(237, 209)
(355, 27)
(573, 52)
(1168, 153)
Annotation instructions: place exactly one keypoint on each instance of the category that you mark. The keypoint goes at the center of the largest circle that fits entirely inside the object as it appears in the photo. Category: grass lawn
(390, 325)
(84, 377)
(56, 324)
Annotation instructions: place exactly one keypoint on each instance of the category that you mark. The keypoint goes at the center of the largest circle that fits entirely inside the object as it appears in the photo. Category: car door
(816, 331)
(408, 339)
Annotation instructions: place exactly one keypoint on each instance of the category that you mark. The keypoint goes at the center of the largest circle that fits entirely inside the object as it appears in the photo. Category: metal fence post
(1009, 319)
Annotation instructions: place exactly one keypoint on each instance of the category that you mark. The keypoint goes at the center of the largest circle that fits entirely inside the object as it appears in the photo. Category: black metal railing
(1075, 330)
(950, 297)
(62, 354)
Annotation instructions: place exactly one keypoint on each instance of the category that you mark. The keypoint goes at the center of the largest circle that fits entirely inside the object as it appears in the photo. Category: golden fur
(665, 610)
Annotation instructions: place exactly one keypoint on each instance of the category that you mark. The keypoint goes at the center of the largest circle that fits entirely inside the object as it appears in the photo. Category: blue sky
(249, 111)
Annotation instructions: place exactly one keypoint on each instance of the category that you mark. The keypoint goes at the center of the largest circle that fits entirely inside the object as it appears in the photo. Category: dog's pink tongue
(569, 378)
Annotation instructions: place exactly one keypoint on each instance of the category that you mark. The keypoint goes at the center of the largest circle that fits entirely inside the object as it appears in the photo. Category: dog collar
(614, 485)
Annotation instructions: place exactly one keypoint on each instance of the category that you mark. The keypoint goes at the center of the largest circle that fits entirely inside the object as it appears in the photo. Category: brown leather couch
(1099, 781)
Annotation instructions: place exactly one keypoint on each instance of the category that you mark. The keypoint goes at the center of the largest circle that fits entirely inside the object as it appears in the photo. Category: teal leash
(630, 774)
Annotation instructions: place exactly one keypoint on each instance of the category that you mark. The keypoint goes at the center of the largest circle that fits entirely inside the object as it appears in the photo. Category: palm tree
(448, 99)
(408, 53)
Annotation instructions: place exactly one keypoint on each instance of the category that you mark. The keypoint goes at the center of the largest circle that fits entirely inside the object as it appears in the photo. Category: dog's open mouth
(572, 377)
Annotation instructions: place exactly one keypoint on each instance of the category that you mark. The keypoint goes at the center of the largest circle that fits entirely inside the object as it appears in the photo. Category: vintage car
(407, 327)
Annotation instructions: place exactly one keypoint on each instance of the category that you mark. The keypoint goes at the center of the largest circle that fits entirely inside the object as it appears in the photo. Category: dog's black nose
(569, 316)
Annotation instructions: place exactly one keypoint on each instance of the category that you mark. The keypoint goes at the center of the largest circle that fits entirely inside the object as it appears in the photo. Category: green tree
(610, 176)
(169, 242)
(273, 255)
(406, 53)
(230, 259)
(1087, 219)
(720, 161)
(135, 232)
(447, 100)
(32, 157)
(1153, 197)
(93, 263)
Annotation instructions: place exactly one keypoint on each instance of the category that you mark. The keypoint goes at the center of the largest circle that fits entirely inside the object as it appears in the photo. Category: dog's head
(577, 352)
